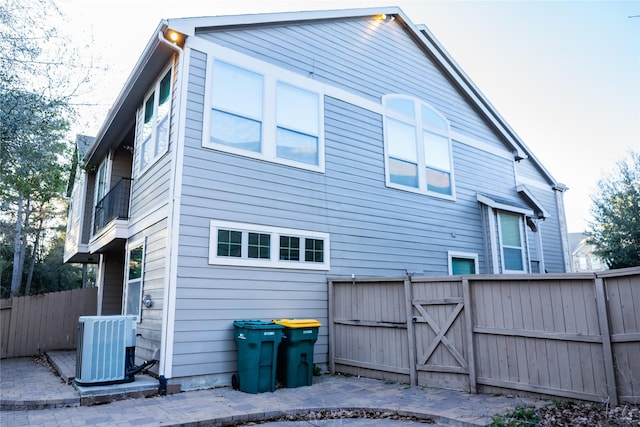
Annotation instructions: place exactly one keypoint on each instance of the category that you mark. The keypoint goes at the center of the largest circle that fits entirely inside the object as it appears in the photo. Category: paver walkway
(25, 379)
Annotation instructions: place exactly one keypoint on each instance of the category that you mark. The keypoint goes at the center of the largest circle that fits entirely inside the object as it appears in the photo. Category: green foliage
(521, 416)
(50, 273)
(615, 231)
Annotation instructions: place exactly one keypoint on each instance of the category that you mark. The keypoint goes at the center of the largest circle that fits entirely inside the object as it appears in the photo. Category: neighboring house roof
(83, 142)
(574, 240)
(157, 53)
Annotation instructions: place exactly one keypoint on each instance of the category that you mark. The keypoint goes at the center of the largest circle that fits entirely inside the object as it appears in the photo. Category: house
(582, 256)
(249, 158)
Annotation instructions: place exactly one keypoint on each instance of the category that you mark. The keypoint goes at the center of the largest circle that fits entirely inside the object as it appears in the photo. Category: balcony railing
(114, 205)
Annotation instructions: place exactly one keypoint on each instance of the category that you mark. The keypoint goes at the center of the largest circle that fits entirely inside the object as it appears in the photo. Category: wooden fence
(33, 324)
(561, 335)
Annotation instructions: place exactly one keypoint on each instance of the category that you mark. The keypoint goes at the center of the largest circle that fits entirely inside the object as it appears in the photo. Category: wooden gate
(442, 355)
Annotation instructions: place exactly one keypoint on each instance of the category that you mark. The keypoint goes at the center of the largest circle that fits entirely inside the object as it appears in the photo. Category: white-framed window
(263, 113)
(153, 134)
(132, 304)
(462, 263)
(512, 242)
(240, 244)
(417, 147)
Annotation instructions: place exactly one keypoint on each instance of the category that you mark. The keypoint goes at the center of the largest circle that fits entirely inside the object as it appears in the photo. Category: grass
(520, 417)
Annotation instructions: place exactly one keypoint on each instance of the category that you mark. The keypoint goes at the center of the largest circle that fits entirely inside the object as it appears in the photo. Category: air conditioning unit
(105, 350)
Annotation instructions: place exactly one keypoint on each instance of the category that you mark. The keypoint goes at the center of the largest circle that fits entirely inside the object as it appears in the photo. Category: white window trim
(271, 76)
(275, 233)
(417, 123)
(463, 255)
(137, 171)
(524, 247)
(132, 245)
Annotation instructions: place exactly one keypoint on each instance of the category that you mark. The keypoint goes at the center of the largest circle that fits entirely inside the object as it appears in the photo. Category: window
(229, 243)
(252, 245)
(261, 116)
(289, 248)
(511, 242)
(417, 147)
(154, 136)
(314, 250)
(133, 291)
(259, 245)
(463, 263)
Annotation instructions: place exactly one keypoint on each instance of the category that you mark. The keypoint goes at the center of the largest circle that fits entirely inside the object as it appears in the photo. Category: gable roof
(158, 51)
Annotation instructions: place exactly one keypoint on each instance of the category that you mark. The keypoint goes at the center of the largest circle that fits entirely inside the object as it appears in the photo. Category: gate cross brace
(440, 337)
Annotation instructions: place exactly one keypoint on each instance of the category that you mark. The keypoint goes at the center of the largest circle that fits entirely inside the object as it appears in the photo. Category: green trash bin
(257, 343)
(295, 356)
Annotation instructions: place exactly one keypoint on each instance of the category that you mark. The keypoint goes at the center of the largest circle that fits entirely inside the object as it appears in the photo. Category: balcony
(114, 205)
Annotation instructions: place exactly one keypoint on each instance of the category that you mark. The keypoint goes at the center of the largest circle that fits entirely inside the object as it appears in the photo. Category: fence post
(408, 296)
(607, 351)
(332, 333)
(466, 297)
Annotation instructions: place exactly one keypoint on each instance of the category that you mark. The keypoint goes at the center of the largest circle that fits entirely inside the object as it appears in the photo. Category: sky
(565, 75)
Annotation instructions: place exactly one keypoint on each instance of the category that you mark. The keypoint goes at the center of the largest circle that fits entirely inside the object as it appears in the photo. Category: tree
(615, 231)
(32, 162)
(39, 75)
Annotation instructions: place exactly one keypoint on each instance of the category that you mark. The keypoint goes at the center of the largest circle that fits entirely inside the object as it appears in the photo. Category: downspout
(168, 315)
(562, 220)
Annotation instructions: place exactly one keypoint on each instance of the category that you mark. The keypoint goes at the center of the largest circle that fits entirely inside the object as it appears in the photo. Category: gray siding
(155, 261)
(347, 54)
(209, 298)
(374, 230)
(526, 169)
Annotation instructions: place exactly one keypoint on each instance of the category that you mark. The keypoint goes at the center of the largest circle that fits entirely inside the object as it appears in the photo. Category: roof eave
(521, 151)
(96, 151)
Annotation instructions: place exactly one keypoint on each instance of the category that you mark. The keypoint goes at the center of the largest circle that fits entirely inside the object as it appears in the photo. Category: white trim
(462, 255)
(539, 248)
(100, 282)
(534, 183)
(493, 240)
(146, 219)
(501, 206)
(481, 145)
(116, 229)
(173, 224)
(521, 188)
(274, 259)
(271, 75)
(188, 25)
(141, 242)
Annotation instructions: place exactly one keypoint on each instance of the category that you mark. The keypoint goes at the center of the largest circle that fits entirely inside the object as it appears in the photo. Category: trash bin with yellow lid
(295, 354)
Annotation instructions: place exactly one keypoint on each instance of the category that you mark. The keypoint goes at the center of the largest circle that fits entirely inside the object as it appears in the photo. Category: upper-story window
(417, 147)
(266, 117)
(511, 242)
(154, 134)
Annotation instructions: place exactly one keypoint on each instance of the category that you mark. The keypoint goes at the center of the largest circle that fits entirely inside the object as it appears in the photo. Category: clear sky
(564, 74)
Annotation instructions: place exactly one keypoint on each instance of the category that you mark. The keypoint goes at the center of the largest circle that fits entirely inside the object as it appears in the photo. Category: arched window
(417, 147)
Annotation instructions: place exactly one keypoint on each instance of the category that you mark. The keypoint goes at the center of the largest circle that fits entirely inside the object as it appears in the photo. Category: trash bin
(257, 343)
(295, 355)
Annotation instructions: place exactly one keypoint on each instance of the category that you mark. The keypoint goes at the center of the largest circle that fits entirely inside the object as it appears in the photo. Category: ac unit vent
(102, 349)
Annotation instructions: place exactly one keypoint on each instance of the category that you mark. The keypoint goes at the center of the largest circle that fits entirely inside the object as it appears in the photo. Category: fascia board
(188, 26)
(132, 80)
(467, 85)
